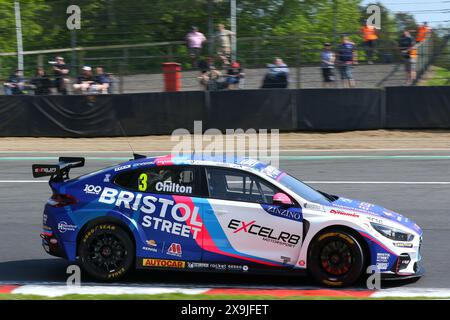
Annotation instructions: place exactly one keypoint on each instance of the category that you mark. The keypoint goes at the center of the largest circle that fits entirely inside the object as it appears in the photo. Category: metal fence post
(170, 52)
(40, 60)
(123, 69)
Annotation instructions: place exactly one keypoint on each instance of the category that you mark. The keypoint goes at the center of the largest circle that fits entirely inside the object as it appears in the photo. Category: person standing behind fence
(328, 59)
(61, 72)
(409, 54)
(347, 57)
(195, 40)
(223, 39)
(423, 32)
(370, 37)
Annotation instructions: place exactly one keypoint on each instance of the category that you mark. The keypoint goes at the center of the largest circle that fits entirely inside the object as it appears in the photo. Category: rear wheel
(106, 252)
(336, 258)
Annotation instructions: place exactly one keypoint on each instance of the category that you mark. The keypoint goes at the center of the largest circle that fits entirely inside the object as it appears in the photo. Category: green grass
(440, 77)
(179, 296)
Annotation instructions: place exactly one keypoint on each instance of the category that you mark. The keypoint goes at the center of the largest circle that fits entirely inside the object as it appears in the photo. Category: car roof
(200, 159)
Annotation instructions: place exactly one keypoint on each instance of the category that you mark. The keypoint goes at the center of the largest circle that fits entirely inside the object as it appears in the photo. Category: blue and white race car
(194, 214)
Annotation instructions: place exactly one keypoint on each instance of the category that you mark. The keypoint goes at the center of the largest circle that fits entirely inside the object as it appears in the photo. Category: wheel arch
(353, 232)
(100, 220)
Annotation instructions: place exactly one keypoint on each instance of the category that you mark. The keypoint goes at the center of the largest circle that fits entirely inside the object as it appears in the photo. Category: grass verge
(440, 77)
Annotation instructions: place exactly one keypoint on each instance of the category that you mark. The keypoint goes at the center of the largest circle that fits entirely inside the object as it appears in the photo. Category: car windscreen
(303, 190)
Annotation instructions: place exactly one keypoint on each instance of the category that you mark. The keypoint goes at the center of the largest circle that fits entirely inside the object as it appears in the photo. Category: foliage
(301, 27)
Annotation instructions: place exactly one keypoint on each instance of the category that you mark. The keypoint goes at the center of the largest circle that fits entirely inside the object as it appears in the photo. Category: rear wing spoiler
(60, 171)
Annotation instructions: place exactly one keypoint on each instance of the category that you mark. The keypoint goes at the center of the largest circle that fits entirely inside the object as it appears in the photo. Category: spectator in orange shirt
(370, 38)
(423, 32)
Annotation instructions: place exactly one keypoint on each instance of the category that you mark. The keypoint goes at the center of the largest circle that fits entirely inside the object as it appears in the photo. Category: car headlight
(392, 233)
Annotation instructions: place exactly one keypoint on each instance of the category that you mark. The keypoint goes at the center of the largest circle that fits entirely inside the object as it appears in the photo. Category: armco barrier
(287, 110)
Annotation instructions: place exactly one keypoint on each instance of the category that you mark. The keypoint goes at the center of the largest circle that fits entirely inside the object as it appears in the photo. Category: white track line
(57, 291)
(412, 292)
(23, 181)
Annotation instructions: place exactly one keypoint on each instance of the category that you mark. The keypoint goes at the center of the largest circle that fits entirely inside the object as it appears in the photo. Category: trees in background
(301, 26)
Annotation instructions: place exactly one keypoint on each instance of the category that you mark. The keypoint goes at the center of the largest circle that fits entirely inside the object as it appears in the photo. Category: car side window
(234, 185)
(168, 180)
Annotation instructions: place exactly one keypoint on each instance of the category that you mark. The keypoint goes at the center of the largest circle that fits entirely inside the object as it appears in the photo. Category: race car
(192, 213)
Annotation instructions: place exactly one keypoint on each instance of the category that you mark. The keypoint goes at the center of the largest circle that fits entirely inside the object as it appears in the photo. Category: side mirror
(282, 199)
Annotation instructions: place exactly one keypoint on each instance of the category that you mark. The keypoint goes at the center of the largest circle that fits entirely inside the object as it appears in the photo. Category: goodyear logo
(158, 263)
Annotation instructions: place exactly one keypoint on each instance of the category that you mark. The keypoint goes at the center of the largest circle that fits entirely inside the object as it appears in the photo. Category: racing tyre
(336, 258)
(106, 252)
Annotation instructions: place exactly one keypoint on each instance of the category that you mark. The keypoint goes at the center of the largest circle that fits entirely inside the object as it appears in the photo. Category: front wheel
(106, 252)
(336, 258)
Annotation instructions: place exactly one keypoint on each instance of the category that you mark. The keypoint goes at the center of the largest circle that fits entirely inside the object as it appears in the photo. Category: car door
(169, 213)
(243, 225)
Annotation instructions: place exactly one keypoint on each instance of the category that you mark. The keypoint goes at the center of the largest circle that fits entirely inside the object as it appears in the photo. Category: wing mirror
(282, 199)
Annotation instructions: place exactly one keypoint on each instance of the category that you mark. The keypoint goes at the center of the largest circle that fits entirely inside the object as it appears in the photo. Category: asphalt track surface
(414, 183)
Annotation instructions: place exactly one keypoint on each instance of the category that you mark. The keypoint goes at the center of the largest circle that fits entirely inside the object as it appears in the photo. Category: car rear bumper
(51, 245)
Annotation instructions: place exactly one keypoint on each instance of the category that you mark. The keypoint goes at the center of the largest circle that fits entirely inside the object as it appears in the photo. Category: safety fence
(287, 110)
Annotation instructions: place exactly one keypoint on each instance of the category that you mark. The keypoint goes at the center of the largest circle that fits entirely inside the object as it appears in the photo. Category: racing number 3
(143, 182)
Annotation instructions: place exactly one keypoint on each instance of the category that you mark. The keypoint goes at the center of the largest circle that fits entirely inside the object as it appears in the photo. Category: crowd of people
(230, 74)
(211, 78)
(341, 59)
(42, 84)
(346, 57)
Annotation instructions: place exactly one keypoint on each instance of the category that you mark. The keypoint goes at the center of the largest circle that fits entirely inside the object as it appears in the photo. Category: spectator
(111, 81)
(41, 83)
(409, 53)
(278, 75)
(223, 39)
(61, 72)
(370, 38)
(195, 40)
(234, 75)
(15, 84)
(84, 81)
(328, 59)
(423, 32)
(347, 57)
(101, 81)
(210, 79)
(206, 64)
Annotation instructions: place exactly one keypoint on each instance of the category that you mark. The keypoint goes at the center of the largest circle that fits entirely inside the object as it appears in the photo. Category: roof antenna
(136, 156)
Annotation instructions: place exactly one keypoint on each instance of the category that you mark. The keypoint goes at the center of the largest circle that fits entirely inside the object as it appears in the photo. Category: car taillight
(61, 200)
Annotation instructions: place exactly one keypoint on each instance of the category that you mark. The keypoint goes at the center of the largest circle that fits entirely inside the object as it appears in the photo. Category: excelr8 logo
(266, 233)
(91, 189)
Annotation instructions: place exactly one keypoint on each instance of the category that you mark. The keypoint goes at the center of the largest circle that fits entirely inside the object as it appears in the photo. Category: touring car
(230, 215)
